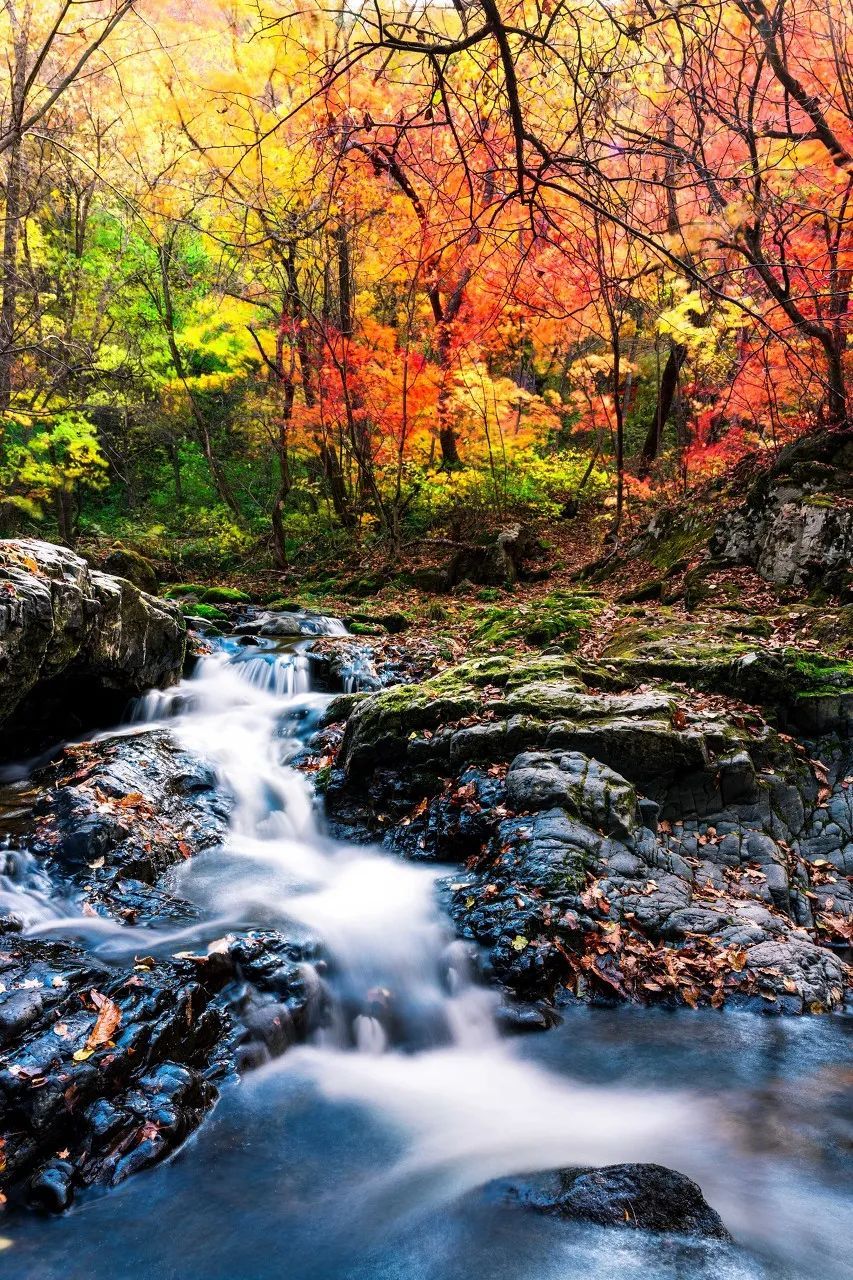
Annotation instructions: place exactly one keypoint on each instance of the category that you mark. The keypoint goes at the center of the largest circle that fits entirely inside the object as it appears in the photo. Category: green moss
(224, 595)
(680, 542)
(207, 611)
(559, 617)
(366, 629)
(321, 778)
(179, 589)
(819, 671)
(820, 500)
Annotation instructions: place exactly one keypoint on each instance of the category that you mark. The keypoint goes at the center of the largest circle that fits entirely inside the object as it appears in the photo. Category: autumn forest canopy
(277, 275)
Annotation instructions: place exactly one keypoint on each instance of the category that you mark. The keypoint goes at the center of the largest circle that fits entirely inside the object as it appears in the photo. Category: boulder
(121, 562)
(636, 1197)
(724, 881)
(796, 526)
(119, 812)
(75, 640)
(540, 780)
(500, 563)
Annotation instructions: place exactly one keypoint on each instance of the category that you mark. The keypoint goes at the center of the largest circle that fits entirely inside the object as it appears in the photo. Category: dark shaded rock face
(75, 644)
(641, 1197)
(796, 528)
(500, 563)
(106, 1066)
(654, 845)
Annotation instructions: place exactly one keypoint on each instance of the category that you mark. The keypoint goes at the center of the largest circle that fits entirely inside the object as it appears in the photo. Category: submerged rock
(640, 1197)
(76, 643)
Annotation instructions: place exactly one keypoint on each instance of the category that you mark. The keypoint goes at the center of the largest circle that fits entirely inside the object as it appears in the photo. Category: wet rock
(113, 1105)
(640, 1197)
(76, 642)
(18, 1010)
(577, 883)
(122, 810)
(51, 1187)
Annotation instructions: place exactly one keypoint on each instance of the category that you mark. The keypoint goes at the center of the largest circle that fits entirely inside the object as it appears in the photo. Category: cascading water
(407, 1030)
(407, 1035)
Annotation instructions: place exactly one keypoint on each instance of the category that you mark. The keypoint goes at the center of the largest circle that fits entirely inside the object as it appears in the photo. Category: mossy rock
(283, 604)
(130, 565)
(428, 579)
(192, 609)
(559, 617)
(366, 629)
(224, 595)
(180, 589)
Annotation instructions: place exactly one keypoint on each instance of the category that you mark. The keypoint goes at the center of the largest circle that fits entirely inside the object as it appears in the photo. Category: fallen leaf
(109, 1017)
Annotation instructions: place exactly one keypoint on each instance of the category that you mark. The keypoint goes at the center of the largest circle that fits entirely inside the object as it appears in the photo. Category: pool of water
(291, 1178)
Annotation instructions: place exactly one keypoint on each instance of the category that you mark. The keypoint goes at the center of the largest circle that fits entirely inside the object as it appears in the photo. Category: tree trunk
(175, 461)
(663, 408)
(11, 228)
(12, 210)
(836, 398)
(217, 475)
(345, 317)
(337, 487)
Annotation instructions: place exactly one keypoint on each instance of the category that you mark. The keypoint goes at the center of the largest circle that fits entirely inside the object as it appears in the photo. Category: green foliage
(217, 541)
(42, 457)
(530, 484)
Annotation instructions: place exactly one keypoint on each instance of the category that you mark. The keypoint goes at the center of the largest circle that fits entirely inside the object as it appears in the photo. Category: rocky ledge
(75, 644)
(618, 841)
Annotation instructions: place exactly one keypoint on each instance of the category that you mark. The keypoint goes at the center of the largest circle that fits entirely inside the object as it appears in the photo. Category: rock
(128, 1103)
(499, 563)
(276, 625)
(75, 642)
(718, 884)
(50, 1188)
(116, 813)
(604, 799)
(121, 562)
(18, 1010)
(638, 1197)
(793, 528)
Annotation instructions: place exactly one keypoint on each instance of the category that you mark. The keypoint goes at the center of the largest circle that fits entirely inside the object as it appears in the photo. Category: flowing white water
(410, 1034)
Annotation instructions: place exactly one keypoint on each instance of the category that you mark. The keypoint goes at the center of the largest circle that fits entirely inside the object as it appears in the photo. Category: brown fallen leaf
(106, 1024)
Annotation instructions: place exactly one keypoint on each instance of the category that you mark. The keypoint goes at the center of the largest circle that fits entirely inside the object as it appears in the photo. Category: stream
(368, 1151)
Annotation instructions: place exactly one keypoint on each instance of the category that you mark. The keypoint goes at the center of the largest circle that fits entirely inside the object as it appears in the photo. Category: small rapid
(407, 1029)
